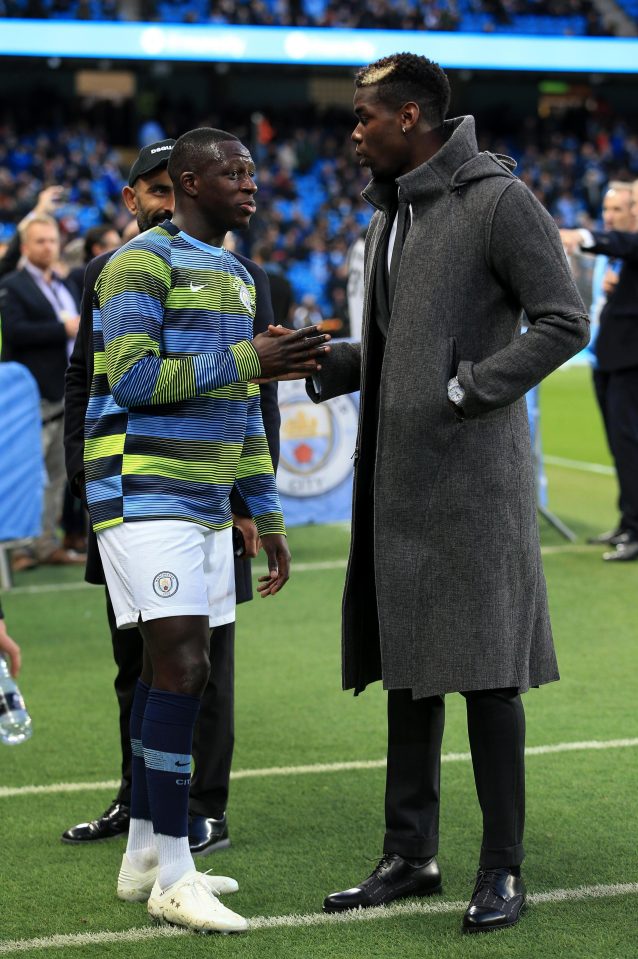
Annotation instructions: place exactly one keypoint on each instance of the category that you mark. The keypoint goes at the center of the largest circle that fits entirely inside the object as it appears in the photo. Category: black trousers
(617, 395)
(496, 727)
(214, 735)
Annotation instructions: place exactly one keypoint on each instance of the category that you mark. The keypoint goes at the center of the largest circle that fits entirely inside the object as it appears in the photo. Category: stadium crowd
(309, 205)
(565, 17)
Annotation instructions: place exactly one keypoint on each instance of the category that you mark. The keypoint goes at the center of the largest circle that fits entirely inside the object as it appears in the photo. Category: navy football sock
(167, 735)
(140, 847)
(140, 808)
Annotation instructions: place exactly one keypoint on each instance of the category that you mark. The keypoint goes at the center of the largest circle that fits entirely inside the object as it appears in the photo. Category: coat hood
(456, 164)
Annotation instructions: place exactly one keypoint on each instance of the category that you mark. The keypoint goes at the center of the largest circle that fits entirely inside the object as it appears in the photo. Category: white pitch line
(68, 587)
(296, 568)
(578, 894)
(579, 465)
(571, 548)
(315, 768)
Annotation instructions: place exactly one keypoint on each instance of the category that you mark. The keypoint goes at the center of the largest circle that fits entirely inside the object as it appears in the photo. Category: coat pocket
(453, 364)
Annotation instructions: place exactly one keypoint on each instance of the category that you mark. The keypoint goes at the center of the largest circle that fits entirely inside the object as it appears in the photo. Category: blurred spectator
(48, 201)
(39, 322)
(307, 313)
(97, 240)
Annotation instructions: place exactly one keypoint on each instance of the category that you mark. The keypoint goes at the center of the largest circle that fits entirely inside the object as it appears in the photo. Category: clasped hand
(290, 354)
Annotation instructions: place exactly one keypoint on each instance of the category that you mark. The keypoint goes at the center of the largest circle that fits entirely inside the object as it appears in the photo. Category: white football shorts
(168, 567)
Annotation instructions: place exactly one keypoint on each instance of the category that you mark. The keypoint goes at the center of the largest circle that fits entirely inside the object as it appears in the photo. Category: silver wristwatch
(455, 391)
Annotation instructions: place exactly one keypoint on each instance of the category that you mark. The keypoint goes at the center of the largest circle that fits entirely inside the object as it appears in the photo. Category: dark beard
(145, 223)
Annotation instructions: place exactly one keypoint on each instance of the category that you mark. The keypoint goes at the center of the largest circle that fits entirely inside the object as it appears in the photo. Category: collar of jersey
(175, 231)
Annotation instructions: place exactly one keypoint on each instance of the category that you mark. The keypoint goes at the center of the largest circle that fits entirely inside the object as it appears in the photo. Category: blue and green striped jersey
(172, 421)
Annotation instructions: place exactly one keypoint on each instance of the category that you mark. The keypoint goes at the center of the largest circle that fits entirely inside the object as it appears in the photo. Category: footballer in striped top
(173, 421)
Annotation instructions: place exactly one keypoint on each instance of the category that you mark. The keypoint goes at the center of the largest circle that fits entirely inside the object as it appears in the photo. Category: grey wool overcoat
(445, 588)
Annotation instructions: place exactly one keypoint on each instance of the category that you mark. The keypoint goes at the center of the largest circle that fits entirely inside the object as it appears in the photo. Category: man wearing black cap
(149, 194)
(149, 197)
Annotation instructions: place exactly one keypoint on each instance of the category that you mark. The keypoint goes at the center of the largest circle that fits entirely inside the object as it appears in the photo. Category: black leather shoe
(497, 901)
(611, 538)
(624, 553)
(393, 878)
(207, 835)
(113, 822)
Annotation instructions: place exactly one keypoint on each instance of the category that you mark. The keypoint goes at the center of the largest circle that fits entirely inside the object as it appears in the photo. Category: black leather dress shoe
(393, 878)
(624, 553)
(113, 822)
(207, 835)
(611, 538)
(497, 901)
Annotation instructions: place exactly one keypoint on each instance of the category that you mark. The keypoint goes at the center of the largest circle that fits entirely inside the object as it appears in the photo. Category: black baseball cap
(150, 158)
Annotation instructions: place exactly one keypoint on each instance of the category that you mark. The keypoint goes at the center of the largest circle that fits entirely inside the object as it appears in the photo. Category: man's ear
(189, 183)
(128, 195)
(410, 113)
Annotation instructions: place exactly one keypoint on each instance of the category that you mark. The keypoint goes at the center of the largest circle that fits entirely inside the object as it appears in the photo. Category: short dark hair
(405, 76)
(95, 235)
(192, 150)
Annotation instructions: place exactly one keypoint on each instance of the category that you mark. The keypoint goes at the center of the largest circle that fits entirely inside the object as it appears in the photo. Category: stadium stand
(310, 209)
(535, 17)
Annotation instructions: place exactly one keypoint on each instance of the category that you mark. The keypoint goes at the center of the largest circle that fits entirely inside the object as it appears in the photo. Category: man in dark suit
(149, 197)
(40, 320)
(616, 373)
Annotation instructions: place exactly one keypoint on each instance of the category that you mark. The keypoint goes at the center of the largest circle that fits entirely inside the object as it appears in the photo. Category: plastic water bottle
(15, 722)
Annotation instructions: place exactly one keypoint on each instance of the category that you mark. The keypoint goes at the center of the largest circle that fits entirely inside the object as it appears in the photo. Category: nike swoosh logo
(182, 764)
(196, 289)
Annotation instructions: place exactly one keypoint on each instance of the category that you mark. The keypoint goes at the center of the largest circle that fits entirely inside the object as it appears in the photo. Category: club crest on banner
(317, 441)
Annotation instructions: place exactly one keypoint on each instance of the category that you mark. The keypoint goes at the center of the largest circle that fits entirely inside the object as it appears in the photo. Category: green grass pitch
(298, 836)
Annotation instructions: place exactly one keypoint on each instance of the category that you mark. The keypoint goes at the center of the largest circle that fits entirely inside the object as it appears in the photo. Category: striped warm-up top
(172, 421)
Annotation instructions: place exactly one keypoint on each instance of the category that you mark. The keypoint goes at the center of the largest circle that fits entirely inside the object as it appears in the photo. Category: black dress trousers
(617, 395)
(496, 727)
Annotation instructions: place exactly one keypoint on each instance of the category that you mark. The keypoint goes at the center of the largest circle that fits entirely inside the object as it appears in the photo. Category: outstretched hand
(287, 354)
(571, 240)
(276, 549)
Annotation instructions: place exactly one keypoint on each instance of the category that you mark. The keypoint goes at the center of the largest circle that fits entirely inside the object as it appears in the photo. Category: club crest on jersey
(165, 584)
(244, 294)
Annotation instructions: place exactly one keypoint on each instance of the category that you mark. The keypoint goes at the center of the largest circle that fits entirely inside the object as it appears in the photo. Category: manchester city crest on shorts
(165, 584)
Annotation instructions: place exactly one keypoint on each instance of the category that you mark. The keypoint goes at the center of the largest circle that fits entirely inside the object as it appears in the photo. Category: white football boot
(191, 902)
(134, 885)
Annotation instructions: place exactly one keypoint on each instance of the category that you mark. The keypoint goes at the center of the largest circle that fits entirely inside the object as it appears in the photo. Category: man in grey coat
(444, 531)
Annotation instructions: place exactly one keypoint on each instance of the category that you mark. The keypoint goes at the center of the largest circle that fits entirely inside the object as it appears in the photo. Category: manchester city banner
(315, 463)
